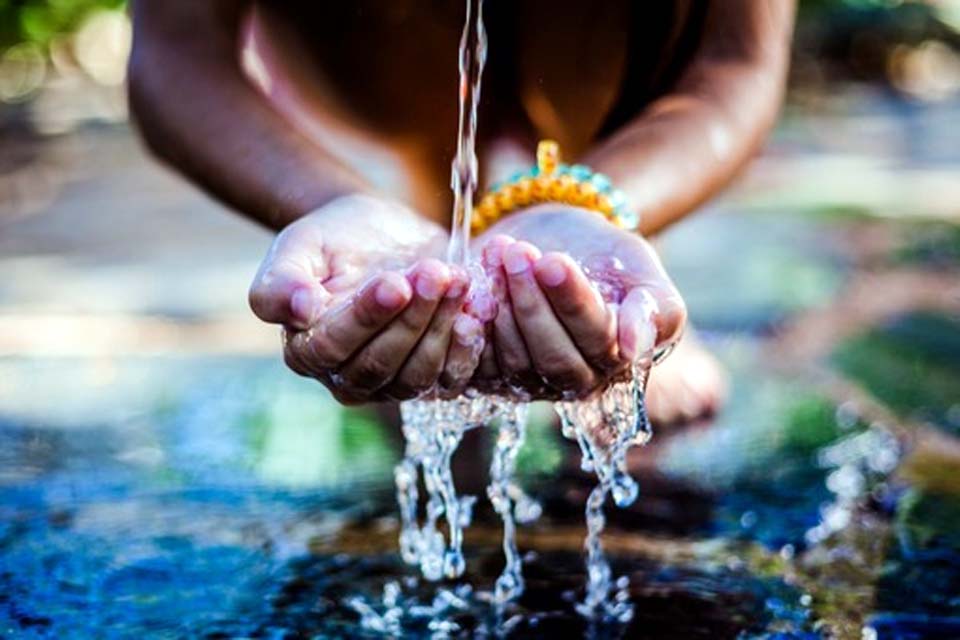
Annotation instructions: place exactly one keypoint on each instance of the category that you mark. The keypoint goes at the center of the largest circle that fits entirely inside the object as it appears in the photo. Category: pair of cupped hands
(370, 309)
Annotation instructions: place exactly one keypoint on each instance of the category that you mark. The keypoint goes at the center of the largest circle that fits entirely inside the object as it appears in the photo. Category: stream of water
(605, 427)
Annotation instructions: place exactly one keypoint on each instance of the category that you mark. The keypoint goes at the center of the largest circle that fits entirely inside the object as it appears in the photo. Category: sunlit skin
(356, 273)
(357, 316)
(553, 332)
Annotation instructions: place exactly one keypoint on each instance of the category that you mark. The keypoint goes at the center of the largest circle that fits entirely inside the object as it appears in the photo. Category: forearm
(691, 142)
(197, 112)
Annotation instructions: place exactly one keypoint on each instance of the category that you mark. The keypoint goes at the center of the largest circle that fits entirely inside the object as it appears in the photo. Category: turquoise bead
(516, 177)
(628, 219)
(601, 182)
(580, 173)
(618, 199)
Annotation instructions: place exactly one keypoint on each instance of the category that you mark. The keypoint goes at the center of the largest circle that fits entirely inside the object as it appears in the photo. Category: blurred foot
(689, 385)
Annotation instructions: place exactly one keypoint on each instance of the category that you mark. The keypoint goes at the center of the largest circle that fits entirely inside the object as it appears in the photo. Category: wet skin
(370, 311)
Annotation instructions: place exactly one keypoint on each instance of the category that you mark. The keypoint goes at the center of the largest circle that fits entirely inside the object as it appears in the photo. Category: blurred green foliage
(933, 244)
(912, 365)
(39, 21)
(924, 520)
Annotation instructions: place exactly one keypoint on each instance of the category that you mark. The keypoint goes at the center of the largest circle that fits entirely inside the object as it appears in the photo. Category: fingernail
(515, 261)
(456, 289)
(467, 330)
(429, 287)
(493, 251)
(304, 305)
(493, 255)
(390, 294)
(552, 272)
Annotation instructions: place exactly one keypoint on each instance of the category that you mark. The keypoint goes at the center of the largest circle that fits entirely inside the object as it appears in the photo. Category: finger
(466, 345)
(580, 309)
(512, 358)
(342, 331)
(637, 328)
(554, 354)
(487, 369)
(669, 313)
(378, 362)
(287, 289)
(423, 368)
(670, 316)
(492, 253)
(291, 355)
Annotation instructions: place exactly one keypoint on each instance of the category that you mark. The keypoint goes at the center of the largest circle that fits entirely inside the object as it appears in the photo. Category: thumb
(287, 288)
(647, 321)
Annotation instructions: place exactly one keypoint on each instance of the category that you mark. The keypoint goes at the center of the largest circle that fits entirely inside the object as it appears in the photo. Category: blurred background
(161, 473)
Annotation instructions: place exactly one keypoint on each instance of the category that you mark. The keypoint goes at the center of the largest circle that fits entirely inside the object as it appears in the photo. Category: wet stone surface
(195, 517)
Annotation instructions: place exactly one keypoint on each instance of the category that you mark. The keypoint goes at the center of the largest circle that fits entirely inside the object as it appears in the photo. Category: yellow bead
(540, 190)
(558, 189)
(604, 205)
(563, 187)
(486, 210)
(504, 201)
(548, 156)
(586, 195)
(522, 192)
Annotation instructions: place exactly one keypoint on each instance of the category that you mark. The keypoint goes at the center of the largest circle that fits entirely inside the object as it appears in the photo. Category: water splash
(505, 495)
(433, 429)
(605, 426)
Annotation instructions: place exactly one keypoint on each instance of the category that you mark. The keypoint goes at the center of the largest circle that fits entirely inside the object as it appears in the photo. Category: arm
(690, 143)
(197, 111)
(366, 310)
(671, 158)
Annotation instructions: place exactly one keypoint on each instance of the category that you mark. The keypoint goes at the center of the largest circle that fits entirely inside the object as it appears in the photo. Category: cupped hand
(580, 299)
(367, 306)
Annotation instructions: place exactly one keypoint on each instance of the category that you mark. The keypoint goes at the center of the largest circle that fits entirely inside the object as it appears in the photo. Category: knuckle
(261, 301)
(370, 372)
(366, 315)
(525, 306)
(412, 322)
(573, 306)
(324, 351)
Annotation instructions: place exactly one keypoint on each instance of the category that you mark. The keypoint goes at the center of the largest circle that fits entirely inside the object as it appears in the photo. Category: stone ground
(161, 473)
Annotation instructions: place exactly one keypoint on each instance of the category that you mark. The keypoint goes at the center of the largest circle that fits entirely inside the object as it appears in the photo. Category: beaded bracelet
(552, 181)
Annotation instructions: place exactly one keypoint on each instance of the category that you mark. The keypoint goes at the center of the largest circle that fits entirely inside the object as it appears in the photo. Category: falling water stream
(605, 426)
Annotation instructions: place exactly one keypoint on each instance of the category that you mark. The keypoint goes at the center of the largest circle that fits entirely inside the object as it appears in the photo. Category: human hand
(367, 307)
(573, 318)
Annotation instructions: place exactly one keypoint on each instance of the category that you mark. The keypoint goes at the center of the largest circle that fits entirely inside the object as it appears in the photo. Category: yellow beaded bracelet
(553, 181)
